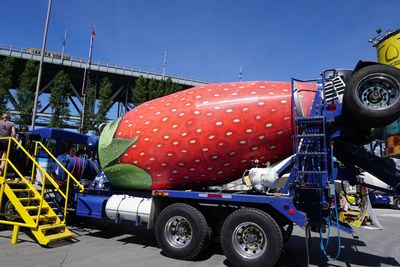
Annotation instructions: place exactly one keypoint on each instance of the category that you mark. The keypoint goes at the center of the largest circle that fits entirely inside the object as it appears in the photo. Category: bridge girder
(122, 79)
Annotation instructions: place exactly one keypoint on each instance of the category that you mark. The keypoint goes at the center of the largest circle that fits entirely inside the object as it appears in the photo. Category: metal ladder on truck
(313, 167)
(309, 140)
(23, 202)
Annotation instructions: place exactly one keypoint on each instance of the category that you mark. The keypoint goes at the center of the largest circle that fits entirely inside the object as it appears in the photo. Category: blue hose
(323, 246)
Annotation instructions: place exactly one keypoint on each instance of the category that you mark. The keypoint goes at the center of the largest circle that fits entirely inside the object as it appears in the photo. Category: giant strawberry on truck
(201, 136)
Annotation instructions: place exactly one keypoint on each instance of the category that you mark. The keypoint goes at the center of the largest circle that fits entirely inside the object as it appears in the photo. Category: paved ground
(107, 245)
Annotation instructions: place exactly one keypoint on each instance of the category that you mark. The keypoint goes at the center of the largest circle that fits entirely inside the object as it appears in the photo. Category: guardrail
(96, 65)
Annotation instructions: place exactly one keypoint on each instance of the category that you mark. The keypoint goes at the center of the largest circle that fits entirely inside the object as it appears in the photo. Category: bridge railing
(95, 65)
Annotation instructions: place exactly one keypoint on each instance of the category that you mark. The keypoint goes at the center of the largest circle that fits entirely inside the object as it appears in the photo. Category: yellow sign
(389, 50)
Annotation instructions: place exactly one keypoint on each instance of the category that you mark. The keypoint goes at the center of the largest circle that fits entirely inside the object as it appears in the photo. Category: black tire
(251, 237)
(372, 95)
(182, 231)
(287, 231)
(396, 204)
(9, 211)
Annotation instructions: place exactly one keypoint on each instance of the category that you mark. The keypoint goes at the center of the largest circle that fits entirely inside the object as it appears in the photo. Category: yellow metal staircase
(24, 204)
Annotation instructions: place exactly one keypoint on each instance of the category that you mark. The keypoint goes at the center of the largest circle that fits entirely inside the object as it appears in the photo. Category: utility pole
(164, 64)
(85, 84)
(41, 64)
(63, 46)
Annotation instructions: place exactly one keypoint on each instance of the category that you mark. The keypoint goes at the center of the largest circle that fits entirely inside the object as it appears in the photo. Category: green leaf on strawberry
(128, 176)
(111, 148)
(108, 132)
(112, 152)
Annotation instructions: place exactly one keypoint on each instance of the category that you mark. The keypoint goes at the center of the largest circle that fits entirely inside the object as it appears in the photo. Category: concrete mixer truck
(166, 160)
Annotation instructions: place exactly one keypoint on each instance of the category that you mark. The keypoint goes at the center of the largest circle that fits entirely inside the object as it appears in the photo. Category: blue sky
(208, 39)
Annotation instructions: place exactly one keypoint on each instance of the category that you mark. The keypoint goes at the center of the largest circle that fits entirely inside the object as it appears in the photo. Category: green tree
(158, 90)
(6, 71)
(59, 93)
(26, 92)
(177, 87)
(153, 89)
(104, 99)
(140, 93)
(90, 104)
(171, 87)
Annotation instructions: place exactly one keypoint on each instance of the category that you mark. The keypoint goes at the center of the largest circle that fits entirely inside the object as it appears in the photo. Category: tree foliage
(104, 100)
(59, 93)
(26, 92)
(140, 92)
(171, 87)
(6, 72)
(90, 105)
(147, 90)
(152, 89)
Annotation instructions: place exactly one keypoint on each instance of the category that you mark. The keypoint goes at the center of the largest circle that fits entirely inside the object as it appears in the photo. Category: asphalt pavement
(105, 244)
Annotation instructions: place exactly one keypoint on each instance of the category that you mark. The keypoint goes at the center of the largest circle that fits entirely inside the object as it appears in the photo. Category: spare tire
(372, 95)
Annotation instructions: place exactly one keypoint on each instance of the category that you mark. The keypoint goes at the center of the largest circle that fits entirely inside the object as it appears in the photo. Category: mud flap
(367, 210)
(359, 215)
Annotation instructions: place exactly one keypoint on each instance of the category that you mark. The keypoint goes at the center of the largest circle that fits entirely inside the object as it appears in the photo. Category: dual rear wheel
(249, 237)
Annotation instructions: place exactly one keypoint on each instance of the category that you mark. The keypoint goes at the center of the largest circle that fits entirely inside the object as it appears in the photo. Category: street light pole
(41, 64)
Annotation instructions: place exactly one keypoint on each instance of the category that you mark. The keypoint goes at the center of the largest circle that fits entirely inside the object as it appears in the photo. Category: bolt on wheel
(378, 91)
(249, 240)
(178, 232)
(372, 96)
(181, 231)
(251, 237)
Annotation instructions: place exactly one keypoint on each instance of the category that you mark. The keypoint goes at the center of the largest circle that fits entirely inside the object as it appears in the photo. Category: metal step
(59, 236)
(312, 153)
(30, 208)
(310, 135)
(13, 182)
(311, 119)
(45, 217)
(46, 227)
(312, 172)
(25, 199)
(19, 190)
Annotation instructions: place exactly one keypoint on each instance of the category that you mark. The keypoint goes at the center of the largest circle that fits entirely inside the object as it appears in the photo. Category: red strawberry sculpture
(202, 136)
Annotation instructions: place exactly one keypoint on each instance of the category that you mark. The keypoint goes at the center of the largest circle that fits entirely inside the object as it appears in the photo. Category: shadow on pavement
(293, 254)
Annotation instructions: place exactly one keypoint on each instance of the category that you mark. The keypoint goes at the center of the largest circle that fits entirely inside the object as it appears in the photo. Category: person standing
(7, 129)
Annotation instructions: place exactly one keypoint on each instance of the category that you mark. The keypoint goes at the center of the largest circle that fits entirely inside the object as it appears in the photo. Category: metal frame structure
(122, 78)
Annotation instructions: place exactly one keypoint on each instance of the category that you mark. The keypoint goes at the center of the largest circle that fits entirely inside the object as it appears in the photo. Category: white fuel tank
(128, 208)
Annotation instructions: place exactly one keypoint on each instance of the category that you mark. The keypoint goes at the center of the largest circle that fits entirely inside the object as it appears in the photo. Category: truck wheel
(287, 231)
(396, 204)
(9, 211)
(251, 237)
(182, 231)
(372, 95)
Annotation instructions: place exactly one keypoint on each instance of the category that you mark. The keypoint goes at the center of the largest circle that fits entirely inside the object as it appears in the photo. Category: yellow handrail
(69, 176)
(62, 166)
(45, 177)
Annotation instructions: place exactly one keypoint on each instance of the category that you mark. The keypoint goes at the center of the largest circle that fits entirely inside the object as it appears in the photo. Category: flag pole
(164, 64)
(86, 83)
(63, 46)
(39, 78)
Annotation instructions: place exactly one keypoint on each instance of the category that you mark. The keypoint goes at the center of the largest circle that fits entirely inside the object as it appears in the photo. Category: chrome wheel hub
(178, 232)
(378, 91)
(249, 240)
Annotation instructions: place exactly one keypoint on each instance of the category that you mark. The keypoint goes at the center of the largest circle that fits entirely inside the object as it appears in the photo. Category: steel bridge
(122, 79)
